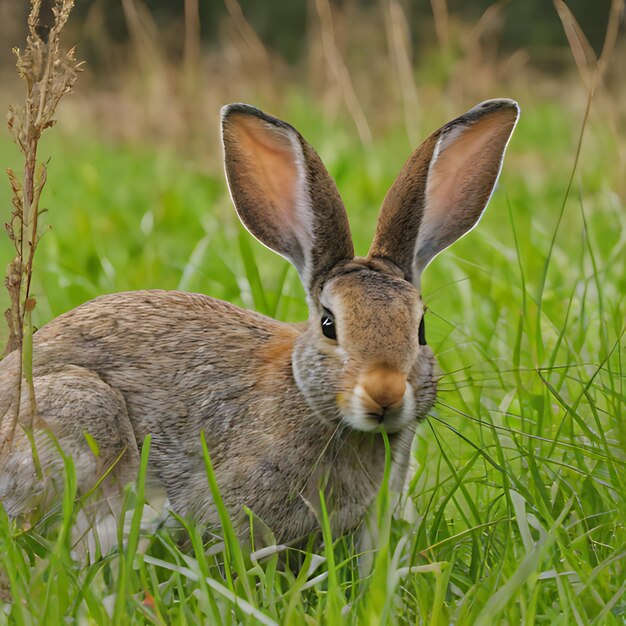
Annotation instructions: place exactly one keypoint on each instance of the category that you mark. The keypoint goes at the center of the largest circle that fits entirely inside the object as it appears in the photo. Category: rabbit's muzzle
(382, 388)
(382, 399)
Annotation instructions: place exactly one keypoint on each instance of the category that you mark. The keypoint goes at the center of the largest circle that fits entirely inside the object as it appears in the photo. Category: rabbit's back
(170, 354)
(155, 336)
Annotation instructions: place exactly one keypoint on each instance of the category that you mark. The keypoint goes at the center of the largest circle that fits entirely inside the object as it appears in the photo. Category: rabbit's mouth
(360, 412)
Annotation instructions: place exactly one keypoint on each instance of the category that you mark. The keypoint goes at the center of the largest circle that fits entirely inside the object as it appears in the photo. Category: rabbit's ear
(283, 193)
(444, 187)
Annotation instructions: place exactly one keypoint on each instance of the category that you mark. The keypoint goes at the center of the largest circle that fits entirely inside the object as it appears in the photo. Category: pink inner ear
(461, 178)
(467, 156)
(274, 169)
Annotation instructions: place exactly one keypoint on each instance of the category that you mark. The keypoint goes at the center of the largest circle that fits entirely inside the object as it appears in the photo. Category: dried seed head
(49, 73)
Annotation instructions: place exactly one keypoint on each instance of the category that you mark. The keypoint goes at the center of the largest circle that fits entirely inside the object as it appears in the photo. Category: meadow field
(515, 509)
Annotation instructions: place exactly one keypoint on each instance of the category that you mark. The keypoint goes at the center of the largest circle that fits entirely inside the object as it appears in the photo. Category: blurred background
(160, 68)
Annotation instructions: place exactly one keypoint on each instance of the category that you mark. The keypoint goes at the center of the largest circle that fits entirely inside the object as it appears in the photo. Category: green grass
(515, 511)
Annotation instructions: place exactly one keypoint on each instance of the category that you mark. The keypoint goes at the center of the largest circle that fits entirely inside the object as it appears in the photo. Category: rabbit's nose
(384, 386)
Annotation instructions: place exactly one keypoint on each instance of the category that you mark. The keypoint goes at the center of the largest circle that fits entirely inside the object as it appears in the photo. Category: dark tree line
(282, 24)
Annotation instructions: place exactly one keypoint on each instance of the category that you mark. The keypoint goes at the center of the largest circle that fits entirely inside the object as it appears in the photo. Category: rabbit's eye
(328, 325)
(421, 333)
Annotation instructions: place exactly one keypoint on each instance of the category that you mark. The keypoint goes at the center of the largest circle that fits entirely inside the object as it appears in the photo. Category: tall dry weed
(49, 73)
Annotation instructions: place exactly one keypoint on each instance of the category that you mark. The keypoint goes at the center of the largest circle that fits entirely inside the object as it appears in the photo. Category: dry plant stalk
(49, 73)
(341, 73)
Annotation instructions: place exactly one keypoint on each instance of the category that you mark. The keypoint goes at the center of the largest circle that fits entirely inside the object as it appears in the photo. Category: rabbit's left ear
(283, 193)
(444, 187)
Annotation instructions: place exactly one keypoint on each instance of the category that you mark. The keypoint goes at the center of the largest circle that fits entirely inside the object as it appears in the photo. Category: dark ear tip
(492, 106)
(506, 104)
(241, 108)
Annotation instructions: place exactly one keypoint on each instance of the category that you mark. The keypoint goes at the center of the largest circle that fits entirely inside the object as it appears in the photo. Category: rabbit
(287, 410)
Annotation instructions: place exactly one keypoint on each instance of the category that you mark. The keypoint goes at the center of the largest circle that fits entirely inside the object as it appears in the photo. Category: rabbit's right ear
(443, 189)
(283, 194)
